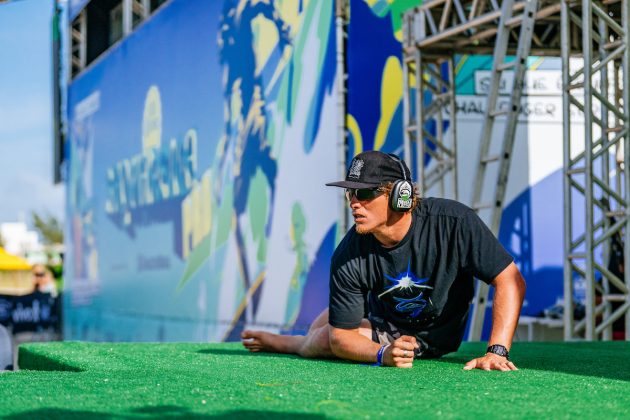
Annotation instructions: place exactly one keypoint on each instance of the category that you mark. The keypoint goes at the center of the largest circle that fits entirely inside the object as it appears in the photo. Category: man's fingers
(485, 364)
(403, 354)
(404, 344)
(471, 365)
(403, 362)
(252, 347)
(504, 367)
(410, 339)
(404, 365)
(407, 354)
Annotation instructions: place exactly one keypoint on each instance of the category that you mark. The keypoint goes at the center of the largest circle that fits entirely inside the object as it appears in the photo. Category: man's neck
(397, 226)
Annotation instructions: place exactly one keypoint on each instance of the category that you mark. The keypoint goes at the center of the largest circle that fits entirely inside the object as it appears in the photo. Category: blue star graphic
(406, 282)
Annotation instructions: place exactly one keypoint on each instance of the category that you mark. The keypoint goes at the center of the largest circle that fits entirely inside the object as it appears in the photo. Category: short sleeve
(480, 251)
(347, 300)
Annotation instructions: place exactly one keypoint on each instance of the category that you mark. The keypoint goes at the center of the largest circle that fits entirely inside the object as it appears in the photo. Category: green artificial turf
(142, 380)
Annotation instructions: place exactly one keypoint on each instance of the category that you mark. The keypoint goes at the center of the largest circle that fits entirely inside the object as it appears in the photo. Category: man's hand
(490, 361)
(400, 352)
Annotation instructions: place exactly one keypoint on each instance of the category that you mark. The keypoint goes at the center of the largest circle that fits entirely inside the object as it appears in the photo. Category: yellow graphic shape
(391, 95)
(290, 14)
(395, 9)
(461, 63)
(412, 79)
(152, 119)
(197, 214)
(536, 62)
(266, 35)
(266, 39)
(355, 132)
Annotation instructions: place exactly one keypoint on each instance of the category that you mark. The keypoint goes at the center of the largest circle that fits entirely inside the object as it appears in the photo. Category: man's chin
(362, 230)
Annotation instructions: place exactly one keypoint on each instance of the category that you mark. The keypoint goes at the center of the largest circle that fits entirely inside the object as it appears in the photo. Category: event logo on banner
(158, 174)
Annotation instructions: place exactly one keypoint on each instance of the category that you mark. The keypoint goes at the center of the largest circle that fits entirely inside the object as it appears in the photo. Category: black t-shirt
(424, 284)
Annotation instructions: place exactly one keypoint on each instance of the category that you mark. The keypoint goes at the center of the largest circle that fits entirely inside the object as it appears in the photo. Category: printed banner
(196, 197)
(30, 313)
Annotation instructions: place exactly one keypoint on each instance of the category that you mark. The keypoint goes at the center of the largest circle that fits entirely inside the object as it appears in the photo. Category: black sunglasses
(362, 193)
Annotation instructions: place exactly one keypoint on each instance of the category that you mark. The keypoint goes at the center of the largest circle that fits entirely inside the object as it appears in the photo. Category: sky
(26, 131)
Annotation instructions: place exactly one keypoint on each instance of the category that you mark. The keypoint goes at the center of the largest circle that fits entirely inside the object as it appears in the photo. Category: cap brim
(352, 184)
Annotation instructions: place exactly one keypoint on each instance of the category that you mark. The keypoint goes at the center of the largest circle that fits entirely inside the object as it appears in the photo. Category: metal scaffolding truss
(596, 90)
(595, 30)
(419, 117)
(433, 33)
(471, 26)
(133, 13)
(495, 152)
(78, 43)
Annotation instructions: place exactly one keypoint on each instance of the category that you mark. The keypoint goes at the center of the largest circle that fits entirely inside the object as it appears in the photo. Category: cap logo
(355, 169)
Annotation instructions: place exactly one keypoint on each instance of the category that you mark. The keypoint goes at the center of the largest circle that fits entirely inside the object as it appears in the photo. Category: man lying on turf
(401, 280)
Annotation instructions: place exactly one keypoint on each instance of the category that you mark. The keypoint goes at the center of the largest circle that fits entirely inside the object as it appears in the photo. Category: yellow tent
(15, 275)
(10, 262)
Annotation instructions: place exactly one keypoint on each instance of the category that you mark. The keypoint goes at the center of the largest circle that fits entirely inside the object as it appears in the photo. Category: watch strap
(499, 350)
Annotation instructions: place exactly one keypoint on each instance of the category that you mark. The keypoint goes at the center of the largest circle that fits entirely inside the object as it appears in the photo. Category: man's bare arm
(508, 300)
(352, 345)
(506, 308)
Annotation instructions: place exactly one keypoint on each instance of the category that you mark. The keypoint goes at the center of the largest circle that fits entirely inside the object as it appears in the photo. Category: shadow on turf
(32, 360)
(583, 359)
(162, 412)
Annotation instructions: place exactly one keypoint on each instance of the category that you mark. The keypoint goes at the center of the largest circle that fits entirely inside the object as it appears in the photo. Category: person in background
(43, 280)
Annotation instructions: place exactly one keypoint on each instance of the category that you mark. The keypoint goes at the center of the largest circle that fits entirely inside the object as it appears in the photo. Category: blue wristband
(379, 355)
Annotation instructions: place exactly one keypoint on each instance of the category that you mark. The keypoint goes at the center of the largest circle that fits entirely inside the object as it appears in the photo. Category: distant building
(18, 240)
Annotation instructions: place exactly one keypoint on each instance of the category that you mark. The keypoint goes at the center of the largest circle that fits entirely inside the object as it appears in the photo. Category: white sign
(532, 108)
(542, 82)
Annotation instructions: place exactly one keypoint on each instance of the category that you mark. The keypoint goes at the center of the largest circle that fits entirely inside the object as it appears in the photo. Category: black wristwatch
(499, 350)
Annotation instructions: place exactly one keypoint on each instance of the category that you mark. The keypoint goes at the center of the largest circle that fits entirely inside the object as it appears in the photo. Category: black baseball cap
(372, 169)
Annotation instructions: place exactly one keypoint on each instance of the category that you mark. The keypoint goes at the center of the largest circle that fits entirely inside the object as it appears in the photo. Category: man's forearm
(506, 308)
(352, 345)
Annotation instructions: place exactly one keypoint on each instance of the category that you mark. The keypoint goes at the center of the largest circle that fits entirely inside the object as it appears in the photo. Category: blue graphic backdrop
(187, 220)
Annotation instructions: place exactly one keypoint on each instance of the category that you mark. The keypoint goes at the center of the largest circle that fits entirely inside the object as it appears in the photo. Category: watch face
(498, 350)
